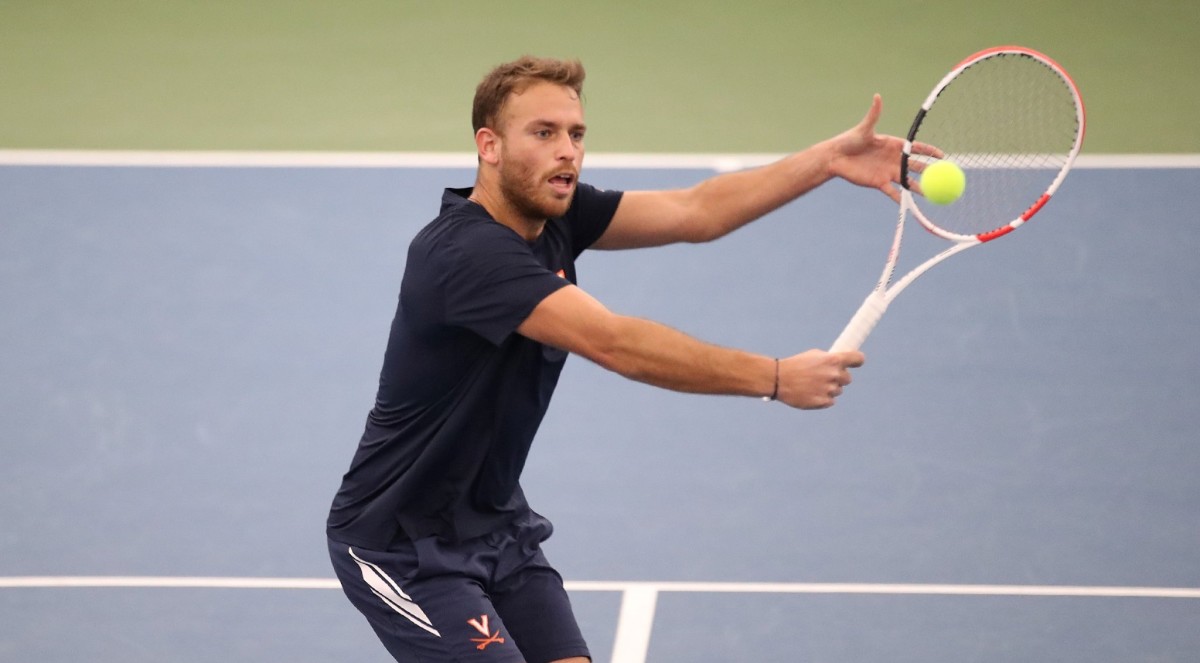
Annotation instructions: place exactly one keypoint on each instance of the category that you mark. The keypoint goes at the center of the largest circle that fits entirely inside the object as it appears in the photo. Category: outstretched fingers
(867, 125)
(925, 149)
(928, 153)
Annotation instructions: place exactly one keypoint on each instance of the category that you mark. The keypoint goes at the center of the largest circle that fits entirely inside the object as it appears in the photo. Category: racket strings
(1010, 122)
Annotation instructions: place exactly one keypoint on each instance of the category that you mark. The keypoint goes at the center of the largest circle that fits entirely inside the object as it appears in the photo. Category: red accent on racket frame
(1041, 202)
(993, 234)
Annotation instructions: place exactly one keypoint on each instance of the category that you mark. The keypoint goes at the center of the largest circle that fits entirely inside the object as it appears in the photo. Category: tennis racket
(1013, 120)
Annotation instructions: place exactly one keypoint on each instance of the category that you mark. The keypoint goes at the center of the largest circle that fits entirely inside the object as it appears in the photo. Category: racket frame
(873, 307)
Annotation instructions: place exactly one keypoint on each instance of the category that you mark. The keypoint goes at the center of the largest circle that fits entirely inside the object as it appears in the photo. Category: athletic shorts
(493, 599)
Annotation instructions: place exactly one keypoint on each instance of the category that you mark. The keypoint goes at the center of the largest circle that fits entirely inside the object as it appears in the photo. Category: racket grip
(862, 323)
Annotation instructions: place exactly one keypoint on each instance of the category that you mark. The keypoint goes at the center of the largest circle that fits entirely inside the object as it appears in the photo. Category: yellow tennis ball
(943, 182)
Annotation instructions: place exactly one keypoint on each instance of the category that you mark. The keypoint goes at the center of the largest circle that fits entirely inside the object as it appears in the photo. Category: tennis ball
(943, 182)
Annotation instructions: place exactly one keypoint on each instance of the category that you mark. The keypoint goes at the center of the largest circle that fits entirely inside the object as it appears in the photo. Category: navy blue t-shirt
(461, 395)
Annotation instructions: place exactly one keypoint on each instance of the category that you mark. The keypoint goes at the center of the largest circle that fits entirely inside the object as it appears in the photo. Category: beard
(524, 190)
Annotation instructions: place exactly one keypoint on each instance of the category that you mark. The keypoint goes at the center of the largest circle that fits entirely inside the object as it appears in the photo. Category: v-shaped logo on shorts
(488, 638)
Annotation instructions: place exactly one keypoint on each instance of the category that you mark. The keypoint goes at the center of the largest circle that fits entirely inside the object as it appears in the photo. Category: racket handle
(862, 323)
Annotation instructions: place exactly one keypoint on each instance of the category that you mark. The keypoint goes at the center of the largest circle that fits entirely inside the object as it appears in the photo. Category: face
(541, 149)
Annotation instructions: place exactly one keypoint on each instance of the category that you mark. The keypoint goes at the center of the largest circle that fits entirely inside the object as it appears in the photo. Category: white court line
(164, 582)
(238, 159)
(634, 623)
(639, 600)
(891, 589)
(641, 587)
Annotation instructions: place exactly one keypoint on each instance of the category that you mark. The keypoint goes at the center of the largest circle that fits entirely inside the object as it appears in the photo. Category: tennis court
(192, 334)
(190, 351)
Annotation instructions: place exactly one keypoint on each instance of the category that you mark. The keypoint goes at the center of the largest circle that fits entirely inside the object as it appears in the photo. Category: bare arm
(723, 203)
(655, 354)
(715, 207)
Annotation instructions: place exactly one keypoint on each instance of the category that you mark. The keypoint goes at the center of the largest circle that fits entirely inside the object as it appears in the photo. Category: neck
(498, 207)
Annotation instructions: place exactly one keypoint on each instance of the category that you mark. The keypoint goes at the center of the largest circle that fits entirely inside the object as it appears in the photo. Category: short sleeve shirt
(461, 395)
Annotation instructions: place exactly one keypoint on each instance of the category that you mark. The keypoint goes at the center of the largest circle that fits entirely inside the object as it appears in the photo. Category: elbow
(701, 232)
(693, 219)
(609, 346)
(700, 218)
(605, 350)
(699, 225)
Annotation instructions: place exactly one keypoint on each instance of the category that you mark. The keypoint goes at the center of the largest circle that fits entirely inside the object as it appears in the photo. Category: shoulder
(462, 230)
(594, 200)
(590, 214)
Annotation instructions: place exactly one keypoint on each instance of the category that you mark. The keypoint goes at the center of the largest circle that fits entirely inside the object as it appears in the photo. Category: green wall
(665, 76)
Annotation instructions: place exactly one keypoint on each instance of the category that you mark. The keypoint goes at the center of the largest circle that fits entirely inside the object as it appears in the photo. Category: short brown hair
(513, 77)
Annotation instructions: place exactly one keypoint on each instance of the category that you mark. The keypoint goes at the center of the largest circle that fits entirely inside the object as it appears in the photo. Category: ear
(487, 142)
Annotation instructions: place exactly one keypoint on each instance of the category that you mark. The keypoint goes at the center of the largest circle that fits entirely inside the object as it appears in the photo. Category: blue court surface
(189, 353)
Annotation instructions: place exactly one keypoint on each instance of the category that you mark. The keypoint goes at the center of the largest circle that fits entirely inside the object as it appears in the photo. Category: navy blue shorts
(494, 598)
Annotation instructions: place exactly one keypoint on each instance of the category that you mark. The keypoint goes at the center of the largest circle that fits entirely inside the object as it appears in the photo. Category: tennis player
(430, 533)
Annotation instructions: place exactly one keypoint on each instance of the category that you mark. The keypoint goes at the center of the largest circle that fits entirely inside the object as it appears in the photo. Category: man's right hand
(813, 380)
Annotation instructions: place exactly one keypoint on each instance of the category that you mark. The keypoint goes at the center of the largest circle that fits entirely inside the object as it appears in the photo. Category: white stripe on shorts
(391, 594)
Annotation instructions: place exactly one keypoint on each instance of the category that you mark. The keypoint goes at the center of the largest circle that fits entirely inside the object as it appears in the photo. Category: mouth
(563, 183)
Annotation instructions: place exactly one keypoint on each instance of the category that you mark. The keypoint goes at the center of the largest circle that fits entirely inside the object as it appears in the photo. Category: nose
(565, 148)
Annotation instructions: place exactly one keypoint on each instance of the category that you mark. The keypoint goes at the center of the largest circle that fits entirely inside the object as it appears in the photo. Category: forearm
(655, 354)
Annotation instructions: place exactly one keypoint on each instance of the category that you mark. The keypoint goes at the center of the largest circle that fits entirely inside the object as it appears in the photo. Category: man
(430, 533)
